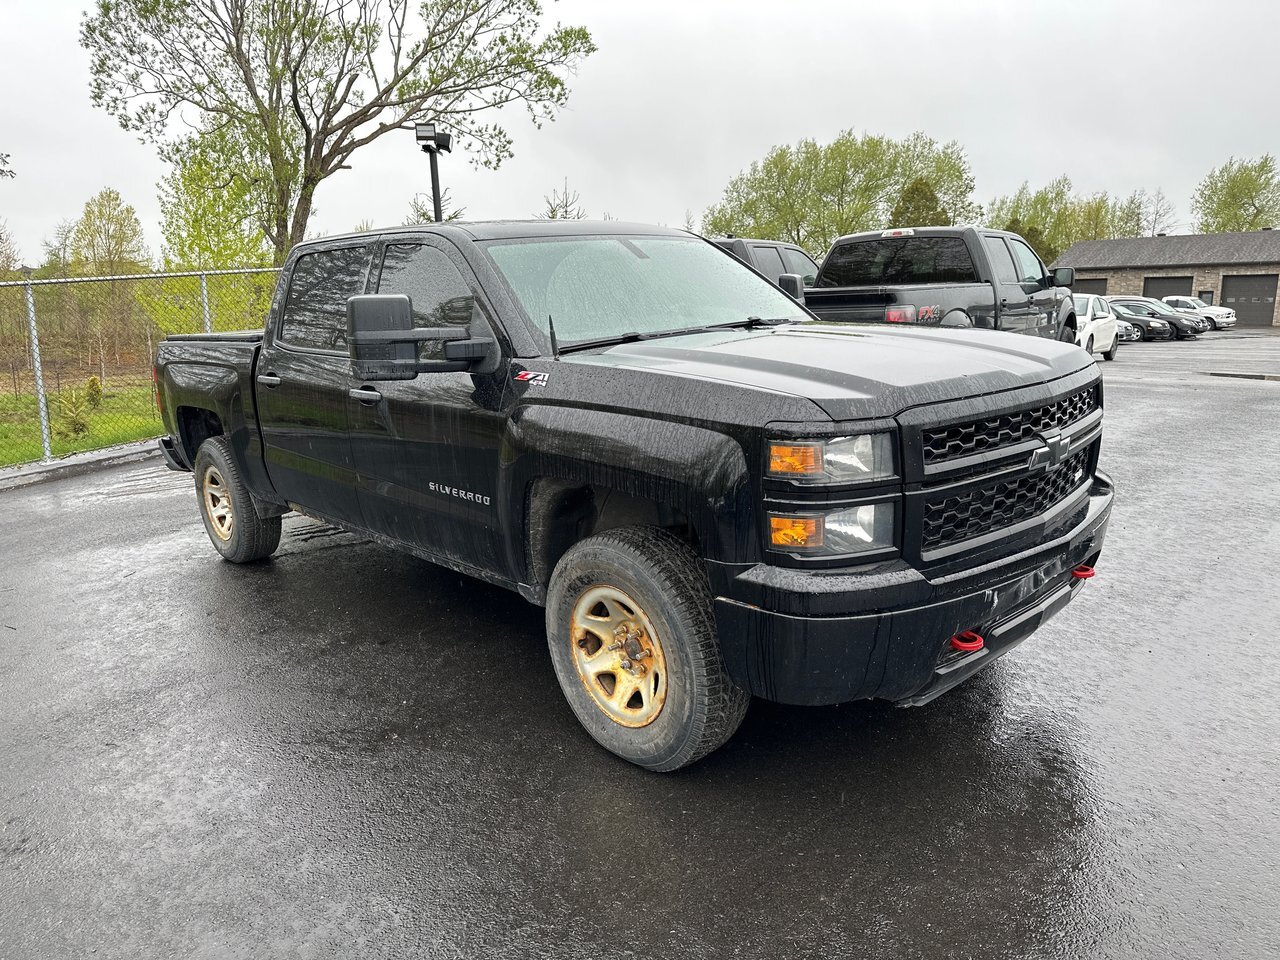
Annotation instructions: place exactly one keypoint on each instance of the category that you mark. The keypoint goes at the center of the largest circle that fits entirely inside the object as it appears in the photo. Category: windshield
(595, 288)
(1197, 302)
(1121, 309)
(1159, 306)
(1082, 304)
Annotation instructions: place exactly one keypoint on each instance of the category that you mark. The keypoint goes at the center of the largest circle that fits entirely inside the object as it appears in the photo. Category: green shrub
(93, 392)
(73, 415)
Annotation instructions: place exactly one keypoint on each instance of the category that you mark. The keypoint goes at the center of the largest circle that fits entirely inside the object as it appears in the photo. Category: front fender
(700, 472)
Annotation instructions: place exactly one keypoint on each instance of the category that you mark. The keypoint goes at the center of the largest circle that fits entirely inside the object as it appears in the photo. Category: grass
(127, 413)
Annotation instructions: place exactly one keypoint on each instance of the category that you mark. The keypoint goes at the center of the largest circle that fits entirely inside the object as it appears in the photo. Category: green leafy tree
(1053, 217)
(297, 88)
(93, 392)
(1237, 196)
(811, 193)
(918, 206)
(208, 216)
(72, 415)
(106, 241)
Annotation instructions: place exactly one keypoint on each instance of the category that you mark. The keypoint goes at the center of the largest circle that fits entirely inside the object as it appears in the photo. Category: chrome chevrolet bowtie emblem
(1055, 450)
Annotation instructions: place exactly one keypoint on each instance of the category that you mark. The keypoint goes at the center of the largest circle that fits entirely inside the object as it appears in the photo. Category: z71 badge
(537, 379)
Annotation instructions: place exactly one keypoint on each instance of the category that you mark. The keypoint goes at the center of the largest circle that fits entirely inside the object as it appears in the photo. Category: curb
(14, 478)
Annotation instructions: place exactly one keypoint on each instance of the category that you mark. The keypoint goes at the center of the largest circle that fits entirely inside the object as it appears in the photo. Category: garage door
(1161, 287)
(1252, 298)
(1097, 287)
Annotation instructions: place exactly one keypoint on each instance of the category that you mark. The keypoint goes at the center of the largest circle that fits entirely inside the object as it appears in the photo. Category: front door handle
(268, 380)
(364, 394)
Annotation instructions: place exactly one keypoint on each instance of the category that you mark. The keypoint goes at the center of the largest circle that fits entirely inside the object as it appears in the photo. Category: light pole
(432, 142)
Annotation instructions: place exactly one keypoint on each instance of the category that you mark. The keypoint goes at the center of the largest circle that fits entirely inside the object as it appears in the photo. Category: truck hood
(854, 373)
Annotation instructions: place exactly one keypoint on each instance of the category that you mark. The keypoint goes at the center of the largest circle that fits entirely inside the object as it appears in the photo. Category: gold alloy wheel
(618, 656)
(217, 504)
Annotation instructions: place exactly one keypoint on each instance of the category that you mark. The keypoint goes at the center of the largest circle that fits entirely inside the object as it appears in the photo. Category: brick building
(1236, 270)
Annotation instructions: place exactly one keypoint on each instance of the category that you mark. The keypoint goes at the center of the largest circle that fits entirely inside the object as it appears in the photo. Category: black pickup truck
(944, 276)
(712, 494)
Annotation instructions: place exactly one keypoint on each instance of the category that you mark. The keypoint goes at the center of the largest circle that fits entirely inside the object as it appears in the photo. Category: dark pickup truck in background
(712, 494)
(944, 276)
(773, 258)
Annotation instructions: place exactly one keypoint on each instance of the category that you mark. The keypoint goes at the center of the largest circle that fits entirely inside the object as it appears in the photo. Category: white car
(1220, 318)
(1096, 329)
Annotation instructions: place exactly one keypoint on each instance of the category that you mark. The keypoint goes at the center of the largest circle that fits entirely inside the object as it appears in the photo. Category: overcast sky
(1118, 94)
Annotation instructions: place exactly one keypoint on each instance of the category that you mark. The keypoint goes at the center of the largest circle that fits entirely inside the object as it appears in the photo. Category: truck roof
(513, 229)
(922, 232)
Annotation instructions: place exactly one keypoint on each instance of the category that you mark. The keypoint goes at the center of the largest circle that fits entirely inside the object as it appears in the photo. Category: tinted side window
(1029, 267)
(315, 312)
(768, 261)
(899, 260)
(440, 295)
(1001, 260)
(797, 261)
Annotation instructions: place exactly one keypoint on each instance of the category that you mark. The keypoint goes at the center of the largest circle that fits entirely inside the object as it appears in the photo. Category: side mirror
(792, 285)
(1064, 277)
(383, 341)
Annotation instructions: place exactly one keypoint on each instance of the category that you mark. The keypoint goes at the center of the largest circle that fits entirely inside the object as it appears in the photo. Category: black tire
(1115, 348)
(1067, 334)
(1142, 333)
(701, 706)
(240, 535)
(1088, 346)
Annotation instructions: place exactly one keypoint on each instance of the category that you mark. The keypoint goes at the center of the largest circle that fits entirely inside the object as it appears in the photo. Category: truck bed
(235, 336)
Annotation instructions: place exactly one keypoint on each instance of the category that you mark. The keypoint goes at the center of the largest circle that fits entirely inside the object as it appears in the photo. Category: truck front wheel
(634, 646)
(234, 527)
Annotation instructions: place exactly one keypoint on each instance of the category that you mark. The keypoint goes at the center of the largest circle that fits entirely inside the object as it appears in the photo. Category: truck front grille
(948, 443)
(998, 505)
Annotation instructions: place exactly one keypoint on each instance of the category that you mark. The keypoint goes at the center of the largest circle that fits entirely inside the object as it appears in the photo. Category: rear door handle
(268, 380)
(364, 394)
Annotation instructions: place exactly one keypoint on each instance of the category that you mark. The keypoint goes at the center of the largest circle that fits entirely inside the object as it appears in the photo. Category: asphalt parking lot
(348, 752)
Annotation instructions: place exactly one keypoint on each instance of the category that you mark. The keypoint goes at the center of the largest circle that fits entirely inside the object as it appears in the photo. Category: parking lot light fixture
(432, 142)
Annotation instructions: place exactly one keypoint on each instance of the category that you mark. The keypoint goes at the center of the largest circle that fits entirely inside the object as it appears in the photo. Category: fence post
(41, 400)
(204, 300)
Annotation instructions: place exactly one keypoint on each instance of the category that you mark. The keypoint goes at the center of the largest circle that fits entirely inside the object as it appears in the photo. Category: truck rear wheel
(234, 527)
(634, 646)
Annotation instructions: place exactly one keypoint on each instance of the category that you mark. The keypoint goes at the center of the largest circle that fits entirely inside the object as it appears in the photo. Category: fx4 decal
(930, 313)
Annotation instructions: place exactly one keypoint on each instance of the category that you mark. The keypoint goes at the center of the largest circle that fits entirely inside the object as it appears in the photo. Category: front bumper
(823, 637)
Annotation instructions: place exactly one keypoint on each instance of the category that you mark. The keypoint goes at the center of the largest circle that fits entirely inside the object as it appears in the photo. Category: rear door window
(898, 261)
(315, 311)
(1001, 259)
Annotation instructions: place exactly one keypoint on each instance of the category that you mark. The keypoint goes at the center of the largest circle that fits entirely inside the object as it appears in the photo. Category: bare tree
(421, 209)
(296, 88)
(4, 167)
(1158, 213)
(562, 205)
(9, 256)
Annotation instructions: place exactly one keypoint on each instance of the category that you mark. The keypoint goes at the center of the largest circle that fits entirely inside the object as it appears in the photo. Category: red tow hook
(967, 642)
(1083, 572)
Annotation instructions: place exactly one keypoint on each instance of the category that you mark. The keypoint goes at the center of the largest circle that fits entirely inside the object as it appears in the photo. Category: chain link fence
(76, 354)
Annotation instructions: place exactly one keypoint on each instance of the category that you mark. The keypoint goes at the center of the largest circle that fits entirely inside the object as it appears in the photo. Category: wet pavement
(348, 752)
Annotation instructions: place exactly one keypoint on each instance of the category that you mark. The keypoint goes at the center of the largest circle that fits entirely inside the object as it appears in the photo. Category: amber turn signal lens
(795, 532)
(795, 460)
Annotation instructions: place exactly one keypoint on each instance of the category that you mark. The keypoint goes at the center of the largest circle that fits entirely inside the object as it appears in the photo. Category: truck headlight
(867, 456)
(852, 530)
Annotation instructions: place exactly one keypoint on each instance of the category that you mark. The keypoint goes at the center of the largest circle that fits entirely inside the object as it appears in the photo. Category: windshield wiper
(635, 337)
